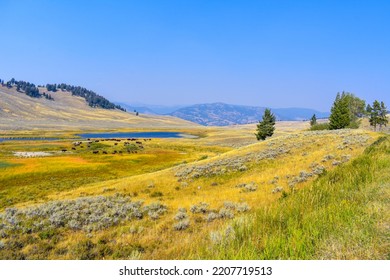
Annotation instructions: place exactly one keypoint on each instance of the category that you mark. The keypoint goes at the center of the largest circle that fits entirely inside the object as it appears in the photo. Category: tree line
(28, 88)
(93, 99)
(346, 112)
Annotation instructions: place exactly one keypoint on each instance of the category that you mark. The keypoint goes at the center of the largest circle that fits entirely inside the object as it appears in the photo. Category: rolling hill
(221, 114)
(19, 111)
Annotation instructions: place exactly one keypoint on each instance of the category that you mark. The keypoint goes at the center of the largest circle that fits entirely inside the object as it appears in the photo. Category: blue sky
(261, 53)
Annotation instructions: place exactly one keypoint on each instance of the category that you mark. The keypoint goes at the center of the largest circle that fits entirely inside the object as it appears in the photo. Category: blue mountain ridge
(221, 114)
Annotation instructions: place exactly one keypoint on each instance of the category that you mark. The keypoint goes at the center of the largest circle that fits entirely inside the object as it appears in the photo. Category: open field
(223, 190)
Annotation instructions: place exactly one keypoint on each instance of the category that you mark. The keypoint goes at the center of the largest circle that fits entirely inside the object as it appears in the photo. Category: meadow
(298, 195)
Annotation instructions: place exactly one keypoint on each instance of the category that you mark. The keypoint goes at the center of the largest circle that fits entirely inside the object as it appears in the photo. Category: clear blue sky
(262, 53)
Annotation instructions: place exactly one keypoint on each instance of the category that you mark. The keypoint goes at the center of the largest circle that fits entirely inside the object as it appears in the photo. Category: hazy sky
(261, 53)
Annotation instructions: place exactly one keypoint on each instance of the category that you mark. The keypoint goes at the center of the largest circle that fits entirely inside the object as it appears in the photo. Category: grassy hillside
(21, 112)
(344, 214)
(287, 197)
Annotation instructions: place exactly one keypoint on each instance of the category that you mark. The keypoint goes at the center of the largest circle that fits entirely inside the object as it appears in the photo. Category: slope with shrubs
(342, 215)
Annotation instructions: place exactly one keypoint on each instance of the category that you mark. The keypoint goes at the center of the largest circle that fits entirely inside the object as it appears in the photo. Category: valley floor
(224, 195)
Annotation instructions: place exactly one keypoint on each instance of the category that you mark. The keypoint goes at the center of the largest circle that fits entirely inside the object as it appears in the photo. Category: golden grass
(153, 172)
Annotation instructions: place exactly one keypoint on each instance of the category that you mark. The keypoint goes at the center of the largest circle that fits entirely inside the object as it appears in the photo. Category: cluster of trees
(47, 96)
(52, 88)
(28, 88)
(347, 110)
(377, 114)
(93, 99)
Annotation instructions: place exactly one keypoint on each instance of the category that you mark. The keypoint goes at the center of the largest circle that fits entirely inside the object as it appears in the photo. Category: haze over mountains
(221, 114)
(24, 104)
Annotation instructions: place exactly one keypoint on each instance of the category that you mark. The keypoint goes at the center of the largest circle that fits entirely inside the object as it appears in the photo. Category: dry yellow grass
(226, 156)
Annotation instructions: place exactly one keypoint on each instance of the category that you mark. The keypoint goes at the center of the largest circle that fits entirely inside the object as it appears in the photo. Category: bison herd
(138, 144)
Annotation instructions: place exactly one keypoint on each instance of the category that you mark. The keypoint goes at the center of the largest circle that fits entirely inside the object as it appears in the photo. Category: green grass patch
(4, 164)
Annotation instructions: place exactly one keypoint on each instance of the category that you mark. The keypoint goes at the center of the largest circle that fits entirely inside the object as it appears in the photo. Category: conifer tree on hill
(340, 116)
(266, 127)
(383, 115)
(377, 114)
(313, 120)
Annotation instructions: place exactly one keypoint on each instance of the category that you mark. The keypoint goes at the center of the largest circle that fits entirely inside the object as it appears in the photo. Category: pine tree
(313, 120)
(356, 108)
(266, 127)
(383, 115)
(375, 114)
(340, 116)
(368, 110)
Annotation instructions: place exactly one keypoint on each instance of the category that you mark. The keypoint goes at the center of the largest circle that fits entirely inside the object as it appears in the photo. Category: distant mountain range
(221, 114)
(149, 109)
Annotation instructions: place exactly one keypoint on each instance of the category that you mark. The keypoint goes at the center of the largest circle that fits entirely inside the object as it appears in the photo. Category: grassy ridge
(343, 215)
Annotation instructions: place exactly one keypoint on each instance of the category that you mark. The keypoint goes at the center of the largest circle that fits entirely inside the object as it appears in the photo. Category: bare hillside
(21, 112)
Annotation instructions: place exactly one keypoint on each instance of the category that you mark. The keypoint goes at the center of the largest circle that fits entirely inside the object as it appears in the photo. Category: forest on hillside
(93, 99)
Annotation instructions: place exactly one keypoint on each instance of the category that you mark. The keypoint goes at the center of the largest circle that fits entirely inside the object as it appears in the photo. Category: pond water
(151, 134)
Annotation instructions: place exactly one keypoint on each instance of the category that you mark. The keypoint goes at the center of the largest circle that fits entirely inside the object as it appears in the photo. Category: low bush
(320, 126)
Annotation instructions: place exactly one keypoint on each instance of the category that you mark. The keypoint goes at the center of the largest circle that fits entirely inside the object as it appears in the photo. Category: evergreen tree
(368, 110)
(374, 118)
(340, 116)
(313, 120)
(266, 127)
(383, 115)
(356, 107)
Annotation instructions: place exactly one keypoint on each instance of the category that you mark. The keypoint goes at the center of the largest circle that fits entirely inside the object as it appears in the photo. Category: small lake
(151, 134)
